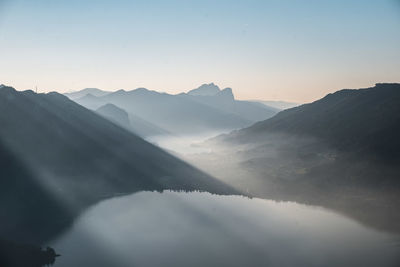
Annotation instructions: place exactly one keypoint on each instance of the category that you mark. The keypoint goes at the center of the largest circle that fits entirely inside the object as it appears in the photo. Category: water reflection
(200, 229)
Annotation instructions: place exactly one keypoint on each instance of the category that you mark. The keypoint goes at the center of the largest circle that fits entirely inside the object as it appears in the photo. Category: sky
(272, 49)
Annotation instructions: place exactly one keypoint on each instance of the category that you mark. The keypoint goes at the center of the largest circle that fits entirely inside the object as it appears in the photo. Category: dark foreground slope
(364, 120)
(342, 152)
(58, 157)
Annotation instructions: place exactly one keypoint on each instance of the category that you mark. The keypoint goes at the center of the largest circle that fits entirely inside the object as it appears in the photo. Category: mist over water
(200, 229)
(184, 145)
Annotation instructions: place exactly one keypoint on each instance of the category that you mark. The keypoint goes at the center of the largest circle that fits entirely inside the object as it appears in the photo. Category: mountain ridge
(341, 152)
(184, 113)
(205, 90)
(77, 158)
(83, 92)
(358, 119)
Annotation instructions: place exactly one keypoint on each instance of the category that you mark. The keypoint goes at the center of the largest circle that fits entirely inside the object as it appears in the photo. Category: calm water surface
(201, 229)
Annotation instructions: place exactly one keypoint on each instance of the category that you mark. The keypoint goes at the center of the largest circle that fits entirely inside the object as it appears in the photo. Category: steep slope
(75, 157)
(340, 152)
(362, 120)
(25, 204)
(144, 128)
(130, 122)
(115, 114)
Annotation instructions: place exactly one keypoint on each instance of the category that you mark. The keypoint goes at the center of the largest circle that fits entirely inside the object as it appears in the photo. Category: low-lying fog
(183, 145)
(304, 170)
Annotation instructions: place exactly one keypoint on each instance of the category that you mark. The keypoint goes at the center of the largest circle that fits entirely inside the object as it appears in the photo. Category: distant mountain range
(87, 91)
(58, 157)
(204, 109)
(224, 100)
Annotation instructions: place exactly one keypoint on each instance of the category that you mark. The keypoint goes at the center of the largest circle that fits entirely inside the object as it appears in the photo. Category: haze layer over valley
(60, 157)
(341, 152)
(199, 133)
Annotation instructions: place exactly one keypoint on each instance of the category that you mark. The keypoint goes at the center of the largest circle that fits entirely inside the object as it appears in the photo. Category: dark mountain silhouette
(58, 157)
(29, 211)
(25, 205)
(353, 120)
(192, 113)
(341, 152)
(86, 91)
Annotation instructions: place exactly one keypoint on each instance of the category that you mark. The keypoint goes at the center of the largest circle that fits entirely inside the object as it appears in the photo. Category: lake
(201, 229)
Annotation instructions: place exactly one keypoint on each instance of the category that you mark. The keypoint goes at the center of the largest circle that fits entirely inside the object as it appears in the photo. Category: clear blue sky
(289, 50)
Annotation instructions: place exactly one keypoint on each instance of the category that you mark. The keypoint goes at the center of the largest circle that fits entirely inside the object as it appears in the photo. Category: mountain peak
(91, 96)
(93, 91)
(87, 91)
(6, 89)
(141, 89)
(114, 114)
(205, 90)
(110, 106)
(227, 93)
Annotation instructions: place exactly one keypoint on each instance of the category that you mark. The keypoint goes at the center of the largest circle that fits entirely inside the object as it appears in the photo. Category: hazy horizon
(270, 50)
(185, 91)
(211, 133)
(112, 90)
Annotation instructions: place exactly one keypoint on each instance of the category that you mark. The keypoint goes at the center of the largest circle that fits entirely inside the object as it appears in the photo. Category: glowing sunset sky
(273, 50)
